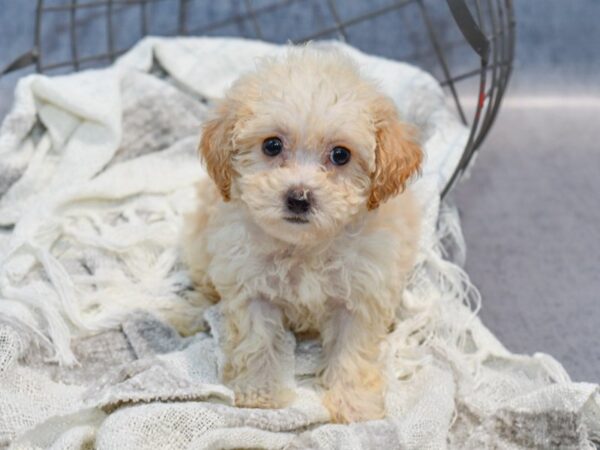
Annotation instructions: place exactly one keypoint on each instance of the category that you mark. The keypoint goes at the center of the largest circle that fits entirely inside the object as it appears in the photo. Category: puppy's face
(307, 146)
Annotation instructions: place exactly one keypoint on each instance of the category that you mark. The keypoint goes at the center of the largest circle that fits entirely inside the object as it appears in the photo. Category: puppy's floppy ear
(216, 147)
(397, 154)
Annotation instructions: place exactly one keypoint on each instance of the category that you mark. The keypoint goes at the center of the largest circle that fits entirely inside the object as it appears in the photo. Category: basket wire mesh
(468, 45)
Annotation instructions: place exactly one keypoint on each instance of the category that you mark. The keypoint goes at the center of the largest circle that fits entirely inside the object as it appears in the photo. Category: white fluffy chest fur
(362, 268)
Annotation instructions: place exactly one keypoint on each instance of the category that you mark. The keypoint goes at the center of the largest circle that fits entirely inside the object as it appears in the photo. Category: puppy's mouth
(296, 219)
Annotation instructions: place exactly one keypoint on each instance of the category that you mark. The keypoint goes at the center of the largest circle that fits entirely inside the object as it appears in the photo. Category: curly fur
(341, 274)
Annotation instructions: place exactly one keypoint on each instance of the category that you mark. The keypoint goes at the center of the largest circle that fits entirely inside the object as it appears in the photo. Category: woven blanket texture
(103, 343)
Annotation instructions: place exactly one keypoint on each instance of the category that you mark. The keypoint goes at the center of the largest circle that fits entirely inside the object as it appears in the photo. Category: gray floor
(531, 210)
(531, 219)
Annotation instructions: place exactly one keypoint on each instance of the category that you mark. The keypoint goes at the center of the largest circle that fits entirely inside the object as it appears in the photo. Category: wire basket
(467, 45)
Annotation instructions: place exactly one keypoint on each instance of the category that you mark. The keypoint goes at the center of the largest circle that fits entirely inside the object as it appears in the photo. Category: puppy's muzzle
(298, 201)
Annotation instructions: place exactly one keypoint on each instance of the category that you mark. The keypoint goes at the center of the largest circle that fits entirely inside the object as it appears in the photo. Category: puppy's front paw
(354, 405)
(262, 397)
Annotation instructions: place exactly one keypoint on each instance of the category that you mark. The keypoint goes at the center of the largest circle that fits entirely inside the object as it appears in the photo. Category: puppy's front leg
(352, 373)
(254, 350)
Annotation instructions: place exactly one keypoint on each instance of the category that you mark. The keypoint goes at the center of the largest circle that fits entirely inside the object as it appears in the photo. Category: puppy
(293, 232)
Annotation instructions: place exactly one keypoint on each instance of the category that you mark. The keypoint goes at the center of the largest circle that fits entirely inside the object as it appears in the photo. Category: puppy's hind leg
(255, 349)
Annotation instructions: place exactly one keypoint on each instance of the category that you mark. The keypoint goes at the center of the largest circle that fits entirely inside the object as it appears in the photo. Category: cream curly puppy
(293, 232)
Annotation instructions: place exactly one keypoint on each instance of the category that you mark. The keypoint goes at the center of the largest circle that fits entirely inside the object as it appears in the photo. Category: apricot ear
(216, 149)
(397, 154)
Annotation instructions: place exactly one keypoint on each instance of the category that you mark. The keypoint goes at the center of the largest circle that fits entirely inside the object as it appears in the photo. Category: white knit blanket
(96, 170)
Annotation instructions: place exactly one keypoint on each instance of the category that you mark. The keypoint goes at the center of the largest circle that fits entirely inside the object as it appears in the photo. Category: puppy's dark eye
(339, 156)
(272, 146)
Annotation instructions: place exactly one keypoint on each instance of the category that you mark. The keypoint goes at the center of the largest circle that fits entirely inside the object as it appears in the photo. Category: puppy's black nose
(298, 200)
